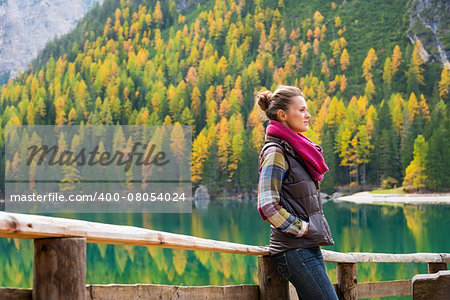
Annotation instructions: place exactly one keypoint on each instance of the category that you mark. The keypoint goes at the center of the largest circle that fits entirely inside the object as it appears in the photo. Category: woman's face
(297, 116)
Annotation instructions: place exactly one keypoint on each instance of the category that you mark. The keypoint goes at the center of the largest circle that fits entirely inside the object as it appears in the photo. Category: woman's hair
(270, 102)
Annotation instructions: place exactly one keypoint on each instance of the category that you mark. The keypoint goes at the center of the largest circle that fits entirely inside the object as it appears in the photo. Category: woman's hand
(305, 227)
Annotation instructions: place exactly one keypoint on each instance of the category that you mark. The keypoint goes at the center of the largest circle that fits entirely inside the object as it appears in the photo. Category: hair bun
(263, 99)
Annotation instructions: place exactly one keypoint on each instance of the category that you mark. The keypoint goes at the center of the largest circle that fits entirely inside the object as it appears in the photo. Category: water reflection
(355, 228)
(201, 203)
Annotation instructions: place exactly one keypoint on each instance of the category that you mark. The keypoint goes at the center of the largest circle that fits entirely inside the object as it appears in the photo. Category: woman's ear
(281, 114)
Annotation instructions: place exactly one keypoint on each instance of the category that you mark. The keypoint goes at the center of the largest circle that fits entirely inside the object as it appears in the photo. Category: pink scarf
(303, 146)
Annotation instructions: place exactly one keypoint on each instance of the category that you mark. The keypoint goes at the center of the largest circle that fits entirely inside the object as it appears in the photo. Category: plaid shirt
(271, 175)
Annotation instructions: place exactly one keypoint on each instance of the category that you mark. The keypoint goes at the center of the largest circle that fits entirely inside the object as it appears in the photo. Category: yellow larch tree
(200, 152)
(387, 71)
(368, 64)
(444, 83)
(417, 62)
(396, 106)
(344, 60)
(325, 70)
(343, 84)
(157, 14)
(424, 110)
(318, 19)
(413, 107)
(237, 143)
(396, 59)
(337, 22)
(415, 173)
(370, 89)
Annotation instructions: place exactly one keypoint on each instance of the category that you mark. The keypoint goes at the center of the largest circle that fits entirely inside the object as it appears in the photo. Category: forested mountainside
(379, 110)
(26, 26)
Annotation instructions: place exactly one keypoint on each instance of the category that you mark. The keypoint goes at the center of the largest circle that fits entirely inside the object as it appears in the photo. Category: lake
(355, 228)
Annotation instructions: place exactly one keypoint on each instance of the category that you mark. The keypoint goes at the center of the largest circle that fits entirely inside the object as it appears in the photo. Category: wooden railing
(59, 270)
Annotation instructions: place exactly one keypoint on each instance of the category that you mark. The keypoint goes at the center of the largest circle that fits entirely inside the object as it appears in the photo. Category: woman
(290, 169)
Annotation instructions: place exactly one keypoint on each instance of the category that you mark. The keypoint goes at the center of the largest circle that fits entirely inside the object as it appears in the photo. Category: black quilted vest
(300, 196)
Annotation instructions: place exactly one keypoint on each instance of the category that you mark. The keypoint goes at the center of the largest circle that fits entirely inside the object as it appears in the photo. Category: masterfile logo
(83, 157)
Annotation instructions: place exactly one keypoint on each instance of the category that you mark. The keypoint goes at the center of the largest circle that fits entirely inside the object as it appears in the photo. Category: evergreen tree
(438, 155)
(330, 180)
(211, 171)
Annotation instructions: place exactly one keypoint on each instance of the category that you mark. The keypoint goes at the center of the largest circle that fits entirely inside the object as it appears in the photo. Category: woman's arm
(272, 168)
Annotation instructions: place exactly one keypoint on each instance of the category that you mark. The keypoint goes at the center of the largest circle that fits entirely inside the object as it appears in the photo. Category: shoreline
(371, 198)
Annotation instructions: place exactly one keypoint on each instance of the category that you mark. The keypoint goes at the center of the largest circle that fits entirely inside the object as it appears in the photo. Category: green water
(355, 228)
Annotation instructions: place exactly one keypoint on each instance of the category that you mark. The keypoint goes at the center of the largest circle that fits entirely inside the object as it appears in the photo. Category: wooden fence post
(436, 267)
(431, 286)
(347, 280)
(272, 286)
(59, 268)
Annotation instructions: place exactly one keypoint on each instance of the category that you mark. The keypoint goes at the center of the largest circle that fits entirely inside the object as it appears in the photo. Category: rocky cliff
(27, 25)
(429, 21)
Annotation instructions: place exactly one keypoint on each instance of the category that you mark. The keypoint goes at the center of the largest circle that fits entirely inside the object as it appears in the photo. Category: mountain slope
(26, 26)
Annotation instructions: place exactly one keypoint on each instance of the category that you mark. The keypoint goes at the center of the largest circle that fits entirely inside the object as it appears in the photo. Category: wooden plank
(383, 289)
(59, 268)
(33, 226)
(358, 257)
(347, 280)
(163, 292)
(15, 294)
(151, 291)
(272, 286)
(431, 286)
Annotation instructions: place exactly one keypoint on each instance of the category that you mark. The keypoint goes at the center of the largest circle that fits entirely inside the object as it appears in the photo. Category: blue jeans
(305, 269)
